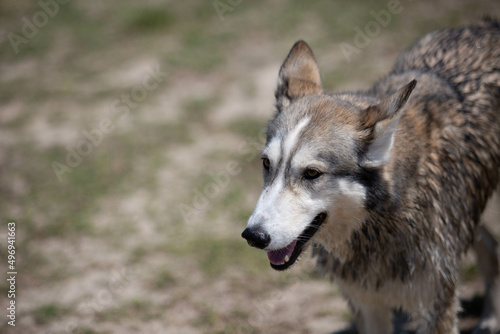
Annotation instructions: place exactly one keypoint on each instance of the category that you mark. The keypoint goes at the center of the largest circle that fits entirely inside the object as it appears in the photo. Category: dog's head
(322, 162)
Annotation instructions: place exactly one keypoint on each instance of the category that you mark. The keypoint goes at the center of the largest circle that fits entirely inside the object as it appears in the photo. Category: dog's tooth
(287, 258)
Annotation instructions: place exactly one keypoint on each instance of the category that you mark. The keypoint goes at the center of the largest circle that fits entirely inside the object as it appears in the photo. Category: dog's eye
(312, 173)
(266, 163)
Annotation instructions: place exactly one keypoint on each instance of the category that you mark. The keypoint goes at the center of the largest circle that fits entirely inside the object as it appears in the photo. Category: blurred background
(129, 156)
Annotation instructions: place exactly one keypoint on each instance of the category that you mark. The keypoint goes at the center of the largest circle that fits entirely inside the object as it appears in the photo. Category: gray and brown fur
(422, 207)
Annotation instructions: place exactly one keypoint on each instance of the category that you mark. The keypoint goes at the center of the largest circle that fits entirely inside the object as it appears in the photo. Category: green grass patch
(163, 279)
(65, 208)
(197, 109)
(35, 263)
(240, 314)
(236, 329)
(325, 312)
(138, 309)
(202, 51)
(221, 254)
(247, 127)
(48, 313)
(227, 194)
(137, 254)
(147, 139)
(208, 317)
(148, 19)
(215, 255)
(469, 272)
(331, 79)
(88, 330)
(233, 197)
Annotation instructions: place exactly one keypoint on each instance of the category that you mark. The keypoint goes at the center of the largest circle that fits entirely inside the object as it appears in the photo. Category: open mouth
(285, 257)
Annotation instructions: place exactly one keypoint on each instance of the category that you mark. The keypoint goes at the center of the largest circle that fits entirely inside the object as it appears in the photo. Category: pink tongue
(278, 256)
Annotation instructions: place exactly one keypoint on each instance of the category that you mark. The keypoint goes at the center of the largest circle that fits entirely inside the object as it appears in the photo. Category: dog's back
(466, 57)
(455, 111)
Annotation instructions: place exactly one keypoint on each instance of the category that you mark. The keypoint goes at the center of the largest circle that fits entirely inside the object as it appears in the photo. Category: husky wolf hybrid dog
(388, 184)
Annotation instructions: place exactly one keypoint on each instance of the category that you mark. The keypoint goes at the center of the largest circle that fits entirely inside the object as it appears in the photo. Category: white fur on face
(278, 144)
(293, 137)
(272, 151)
(353, 191)
(284, 213)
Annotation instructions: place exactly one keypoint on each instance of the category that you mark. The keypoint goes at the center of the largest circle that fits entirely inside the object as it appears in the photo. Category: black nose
(256, 237)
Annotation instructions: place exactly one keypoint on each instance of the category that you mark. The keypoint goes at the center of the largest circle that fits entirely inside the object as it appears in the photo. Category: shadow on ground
(471, 309)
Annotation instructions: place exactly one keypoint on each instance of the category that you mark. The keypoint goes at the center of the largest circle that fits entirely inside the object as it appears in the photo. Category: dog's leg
(485, 246)
(446, 321)
(374, 320)
(441, 318)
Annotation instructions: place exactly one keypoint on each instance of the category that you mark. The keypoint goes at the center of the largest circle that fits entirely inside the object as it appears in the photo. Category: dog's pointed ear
(298, 77)
(382, 122)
